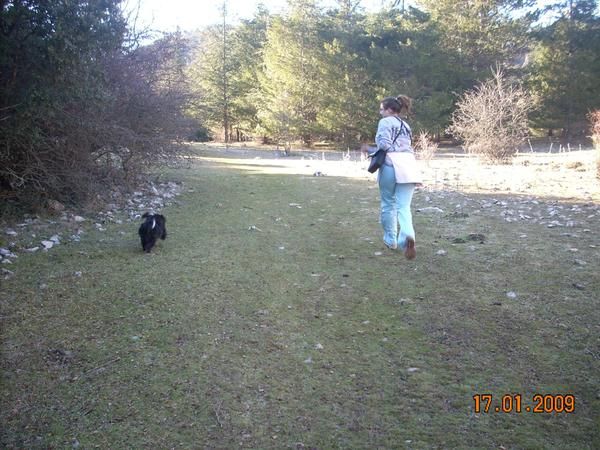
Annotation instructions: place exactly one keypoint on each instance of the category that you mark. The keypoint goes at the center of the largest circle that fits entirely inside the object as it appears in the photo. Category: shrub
(594, 117)
(80, 110)
(491, 119)
(425, 147)
(202, 134)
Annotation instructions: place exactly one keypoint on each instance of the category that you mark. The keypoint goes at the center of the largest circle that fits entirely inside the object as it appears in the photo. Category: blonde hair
(400, 104)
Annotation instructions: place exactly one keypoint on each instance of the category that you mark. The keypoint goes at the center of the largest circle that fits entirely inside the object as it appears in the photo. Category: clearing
(273, 316)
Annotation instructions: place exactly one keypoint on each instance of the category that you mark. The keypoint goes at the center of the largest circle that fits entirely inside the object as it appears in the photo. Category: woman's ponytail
(405, 103)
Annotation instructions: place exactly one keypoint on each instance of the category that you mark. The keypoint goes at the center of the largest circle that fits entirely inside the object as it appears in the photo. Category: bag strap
(397, 135)
(403, 126)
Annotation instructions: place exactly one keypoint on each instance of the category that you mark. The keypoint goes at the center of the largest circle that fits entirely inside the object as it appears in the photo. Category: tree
(247, 44)
(480, 34)
(290, 82)
(347, 95)
(564, 68)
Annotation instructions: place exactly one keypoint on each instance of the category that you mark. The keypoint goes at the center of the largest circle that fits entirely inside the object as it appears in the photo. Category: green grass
(299, 335)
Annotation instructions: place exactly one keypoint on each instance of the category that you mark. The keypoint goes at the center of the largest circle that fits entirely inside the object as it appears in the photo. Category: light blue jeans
(396, 218)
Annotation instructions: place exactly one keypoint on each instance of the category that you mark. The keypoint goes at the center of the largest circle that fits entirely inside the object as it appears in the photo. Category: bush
(425, 147)
(594, 117)
(491, 119)
(80, 111)
(202, 134)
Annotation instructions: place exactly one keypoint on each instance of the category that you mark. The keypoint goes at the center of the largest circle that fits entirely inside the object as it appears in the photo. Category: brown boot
(410, 251)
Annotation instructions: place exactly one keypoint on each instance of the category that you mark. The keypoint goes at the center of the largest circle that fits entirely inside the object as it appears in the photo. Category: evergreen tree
(565, 67)
(247, 42)
(481, 34)
(348, 105)
(290, 81)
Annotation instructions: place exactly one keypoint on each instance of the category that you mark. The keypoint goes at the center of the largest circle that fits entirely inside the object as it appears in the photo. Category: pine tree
(565, 67)
(291, 75)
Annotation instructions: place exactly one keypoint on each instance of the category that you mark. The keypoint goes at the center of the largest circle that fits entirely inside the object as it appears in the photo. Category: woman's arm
(383, 139)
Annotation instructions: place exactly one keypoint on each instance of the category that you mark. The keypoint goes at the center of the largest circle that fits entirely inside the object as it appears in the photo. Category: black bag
(377, 160)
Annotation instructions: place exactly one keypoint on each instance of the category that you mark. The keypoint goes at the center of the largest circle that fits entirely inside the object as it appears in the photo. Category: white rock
(55, 239)
(441, 252)
(78, 274)
(511, 294)
(430, 209)
(308, 360)
(11, 232)
(319, 346)
(412, 369)
(32, 249)
(47, 245)
(78, 219)
(6, 261)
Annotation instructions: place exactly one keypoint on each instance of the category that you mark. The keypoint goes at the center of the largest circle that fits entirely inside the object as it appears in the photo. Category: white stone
(430, 209)
(47, 244)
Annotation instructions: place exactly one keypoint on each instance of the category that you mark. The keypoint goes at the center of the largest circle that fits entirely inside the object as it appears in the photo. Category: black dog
(154, 227)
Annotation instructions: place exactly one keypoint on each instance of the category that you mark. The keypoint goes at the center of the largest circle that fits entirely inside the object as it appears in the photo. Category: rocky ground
(41, 234)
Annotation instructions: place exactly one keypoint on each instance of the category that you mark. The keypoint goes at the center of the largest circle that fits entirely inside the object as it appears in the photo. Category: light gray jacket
(400, 155)
(388, 129)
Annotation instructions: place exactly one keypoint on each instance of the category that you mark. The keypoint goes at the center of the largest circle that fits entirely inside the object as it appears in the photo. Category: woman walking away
(399, 176)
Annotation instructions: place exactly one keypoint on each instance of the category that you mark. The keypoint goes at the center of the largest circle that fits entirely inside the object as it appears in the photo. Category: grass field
(273, 317)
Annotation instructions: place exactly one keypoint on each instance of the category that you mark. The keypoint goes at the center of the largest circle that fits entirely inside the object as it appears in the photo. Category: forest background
(88, 100)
